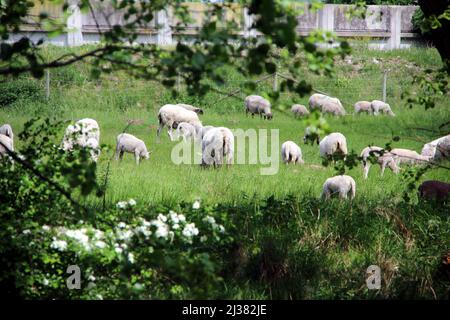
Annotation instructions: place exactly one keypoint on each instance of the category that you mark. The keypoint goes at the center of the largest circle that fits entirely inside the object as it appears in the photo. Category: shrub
(23, 89)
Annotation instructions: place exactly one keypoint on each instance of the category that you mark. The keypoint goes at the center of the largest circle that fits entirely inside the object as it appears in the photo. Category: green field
(347, 237)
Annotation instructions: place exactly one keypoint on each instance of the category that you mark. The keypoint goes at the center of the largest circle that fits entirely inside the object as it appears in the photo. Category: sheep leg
(366, 170)
(117, 153)
(136, 155)
(121, 155)
(158, 132)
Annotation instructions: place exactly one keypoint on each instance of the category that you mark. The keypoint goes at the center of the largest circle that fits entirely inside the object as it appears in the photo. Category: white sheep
(7, 131)
(170, 113)
(443, 149)
(128, 143)
(185, 130)
(363, 106)
(200, 131)
(6, 143)
(386, 159)
(258, 105)
(332, 106)
(333, 144)
(342, 185)
(217, 144)
(314, 101)
(291, 153)
(409, 156)
(430, 148)
(380, 106)
(299, 110)
(311, 135)
(190, 108)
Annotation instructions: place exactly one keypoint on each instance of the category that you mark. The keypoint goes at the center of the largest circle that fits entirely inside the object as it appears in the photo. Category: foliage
(375, 2)
(11, 92)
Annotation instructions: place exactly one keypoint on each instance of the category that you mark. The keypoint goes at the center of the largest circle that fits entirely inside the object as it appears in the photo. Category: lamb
(434, 190)
(299, 110)
(380, 106)
(170, 113)
(7, 131)
(190, 108)
(291, 153)
(258, 105)
(363, 106)
(409, 156)
(185, 130)
(342, 185)
(332, 106)
(217, 144)
(333, 144)
(6, 143)
(386, 159)
(128, 143)
(201, 131)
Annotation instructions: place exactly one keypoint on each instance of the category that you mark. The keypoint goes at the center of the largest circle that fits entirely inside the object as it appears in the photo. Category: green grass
(325, 248)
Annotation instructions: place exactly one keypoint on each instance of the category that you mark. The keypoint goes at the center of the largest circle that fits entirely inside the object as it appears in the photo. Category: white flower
(176, 226)
(100, 244)
(79, 236)
(118, 250)
(190, 230)
(121, 205)
(196, 205)
(27, 231)
(91, 278)
(132, 202)
(122, 225)
(99, 297)
(162, 217)
(221, 229)
(210, 220)
(131, 257)
(45, 228)
(203, 238)
(162, 231)
(182, 218)
(45, 282)
(174, 217)
(60, 245)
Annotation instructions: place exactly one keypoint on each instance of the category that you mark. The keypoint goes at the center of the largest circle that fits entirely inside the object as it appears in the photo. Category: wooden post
(275, 82)
(178, 84)
(47, 84)
(384, 85)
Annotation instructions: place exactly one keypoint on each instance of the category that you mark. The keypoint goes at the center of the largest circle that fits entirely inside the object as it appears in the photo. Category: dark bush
(12, 91)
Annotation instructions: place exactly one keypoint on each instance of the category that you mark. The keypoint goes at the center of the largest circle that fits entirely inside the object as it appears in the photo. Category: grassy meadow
(321, 249)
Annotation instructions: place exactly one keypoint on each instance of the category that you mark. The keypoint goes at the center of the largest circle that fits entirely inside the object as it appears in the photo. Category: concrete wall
(384, 25)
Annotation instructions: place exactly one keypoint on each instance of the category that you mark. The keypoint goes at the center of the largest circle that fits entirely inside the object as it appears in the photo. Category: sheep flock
(217, 143)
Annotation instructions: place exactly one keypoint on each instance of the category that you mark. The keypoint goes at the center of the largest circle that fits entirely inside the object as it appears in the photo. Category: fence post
(74, 25)
(249, 32)
(164, 35)
(178, 82)
(47, 84)
(384, 85)
(275, 82)
(395, 27)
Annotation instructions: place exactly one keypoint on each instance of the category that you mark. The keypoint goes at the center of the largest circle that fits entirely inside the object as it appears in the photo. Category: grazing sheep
(385, 160)
(291, 153)
(314, 101)
(429, 149)
(443, 149)
(258, 105)
(311, 135)
(299, 110)
(333, 144)
(7, 131)
(409, 156)
(342, 185)
(170, 113)
(434, 190)
(217, 144)
(380, 106)
(363, 106)
(128, 143)
(6, 143)
(201, 131)
(185, 130)
(332, 106)
(191, 108)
